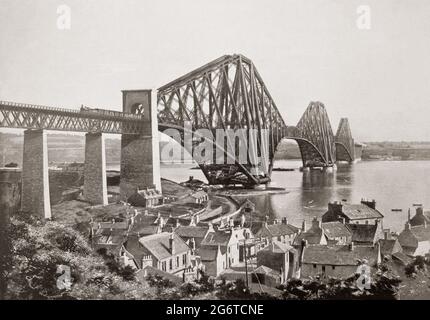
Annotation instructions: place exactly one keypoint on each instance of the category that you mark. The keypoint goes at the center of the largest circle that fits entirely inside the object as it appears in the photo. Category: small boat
(397, 210)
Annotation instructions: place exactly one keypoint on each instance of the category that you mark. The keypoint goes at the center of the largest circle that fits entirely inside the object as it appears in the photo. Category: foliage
(39, 248)
(418, 264)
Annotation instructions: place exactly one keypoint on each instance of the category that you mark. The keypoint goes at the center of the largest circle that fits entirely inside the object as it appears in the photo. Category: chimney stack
(407, 226)
(351, 246)
(370, 204)
(316, 224)
(419, 211)
(172, 244)
(177, 223)
(409, 215)
(284, 220)
(266, 219)
(425, 224)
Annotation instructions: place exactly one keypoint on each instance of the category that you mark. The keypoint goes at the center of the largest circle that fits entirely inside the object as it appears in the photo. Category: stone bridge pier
(35, 177)
(95, 184)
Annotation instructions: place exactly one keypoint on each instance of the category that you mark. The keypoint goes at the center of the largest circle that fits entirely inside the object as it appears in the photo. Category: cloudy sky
(305, 50)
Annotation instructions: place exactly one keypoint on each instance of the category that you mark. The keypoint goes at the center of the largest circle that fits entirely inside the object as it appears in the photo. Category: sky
(304, 50)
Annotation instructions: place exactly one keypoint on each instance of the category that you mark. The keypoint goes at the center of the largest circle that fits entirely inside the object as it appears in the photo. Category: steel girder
(314, 136)
(345, 146)
(28, 116)
(227, 93)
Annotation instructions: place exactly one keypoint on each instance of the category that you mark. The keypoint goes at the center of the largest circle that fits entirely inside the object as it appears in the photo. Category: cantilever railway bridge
(227, 93)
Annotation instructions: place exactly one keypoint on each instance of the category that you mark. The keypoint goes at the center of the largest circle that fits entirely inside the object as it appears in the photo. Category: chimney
(193, 244)
(210, 227)
(335, 207)
(316, 224)
(304, 226)
(425, 224)
(172, 244)
(409, 214)
(284, 220)
(266, 219)
(351, 246)
(387, 234)
(197, 219)
(177, 223)
(370, 204)
(242, 220)
(231, 222)
(419, 211)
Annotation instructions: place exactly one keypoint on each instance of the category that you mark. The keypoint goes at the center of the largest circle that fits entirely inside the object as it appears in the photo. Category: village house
(148, 197)
(362, 213)
(194, 234)
(266, 276)
(231, 244)
(164, 251)
(278, 231)
(389, 245)
(415, 241)
(337, 232)
(366, 234)
(314, 235)
(213, 258)
(339, 261)
(281, 258)
(420, 217)
(200, 197)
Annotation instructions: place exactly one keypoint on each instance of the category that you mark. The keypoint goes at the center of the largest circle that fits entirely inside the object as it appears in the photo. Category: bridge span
(227, 93)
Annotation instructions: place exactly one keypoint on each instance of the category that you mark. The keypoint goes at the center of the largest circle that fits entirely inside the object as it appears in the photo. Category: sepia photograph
(214, 157)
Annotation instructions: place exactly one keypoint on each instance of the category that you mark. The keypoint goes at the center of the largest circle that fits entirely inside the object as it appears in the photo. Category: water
(393, 184)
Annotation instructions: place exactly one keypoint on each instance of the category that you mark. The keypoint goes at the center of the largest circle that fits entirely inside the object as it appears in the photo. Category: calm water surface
(393, 184)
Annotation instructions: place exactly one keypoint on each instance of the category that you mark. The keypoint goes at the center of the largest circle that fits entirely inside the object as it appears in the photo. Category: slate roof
(403, 258)
(364, 232)
(208, 253)
(421, 233)
(135, 249)
(339, 255)
(335, 229)
(276, 230)
(217, 238)
(267, 271)
(388, 247)
(312, 236)
(158, 245)
(278, 247)
(191, 231)
(360, 211)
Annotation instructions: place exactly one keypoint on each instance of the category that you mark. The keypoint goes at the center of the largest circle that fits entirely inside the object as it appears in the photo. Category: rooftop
(360, 211)
(339, 255)
(158, 245)
(335, 229)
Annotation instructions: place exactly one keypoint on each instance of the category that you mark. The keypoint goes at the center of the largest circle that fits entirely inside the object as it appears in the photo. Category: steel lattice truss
(227, 93)
(345, 146)
(27, 116)
(315, 138)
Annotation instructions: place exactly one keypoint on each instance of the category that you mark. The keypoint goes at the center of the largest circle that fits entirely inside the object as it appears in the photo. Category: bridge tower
(140, 158)
(345, 146)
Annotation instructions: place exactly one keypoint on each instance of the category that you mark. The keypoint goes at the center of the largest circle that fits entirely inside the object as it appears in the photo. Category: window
(323, 268)
(333, 267)
(228, 249)
(184, 259)
(170, 264)
(315, 266)
(177, 261)
(163, 265)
